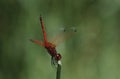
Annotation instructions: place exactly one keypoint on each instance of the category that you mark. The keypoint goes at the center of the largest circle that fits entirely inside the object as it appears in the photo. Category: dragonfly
(49, 46)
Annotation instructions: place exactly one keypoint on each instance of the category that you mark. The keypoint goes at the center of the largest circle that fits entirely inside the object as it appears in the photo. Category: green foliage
(92, 53)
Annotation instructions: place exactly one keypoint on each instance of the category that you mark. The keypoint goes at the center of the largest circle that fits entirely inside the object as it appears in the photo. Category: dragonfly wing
(64, 38)
(57, 37)
(37, 42)
(64, 35)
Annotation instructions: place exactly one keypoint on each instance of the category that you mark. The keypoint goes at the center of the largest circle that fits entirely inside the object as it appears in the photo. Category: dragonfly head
(58, 56)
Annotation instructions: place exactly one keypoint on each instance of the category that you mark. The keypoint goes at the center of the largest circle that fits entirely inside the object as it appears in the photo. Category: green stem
(58, 73)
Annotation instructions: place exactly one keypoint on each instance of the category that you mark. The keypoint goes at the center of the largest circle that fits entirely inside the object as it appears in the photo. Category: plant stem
(58, 73)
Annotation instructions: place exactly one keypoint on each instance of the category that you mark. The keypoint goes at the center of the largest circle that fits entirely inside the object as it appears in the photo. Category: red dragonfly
(51, 47)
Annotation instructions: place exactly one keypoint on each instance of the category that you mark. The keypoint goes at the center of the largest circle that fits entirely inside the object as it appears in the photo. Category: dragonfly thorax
(52, 51)
(50, 45)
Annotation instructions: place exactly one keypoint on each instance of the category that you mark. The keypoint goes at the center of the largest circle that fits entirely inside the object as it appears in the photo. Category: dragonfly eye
(58, 57)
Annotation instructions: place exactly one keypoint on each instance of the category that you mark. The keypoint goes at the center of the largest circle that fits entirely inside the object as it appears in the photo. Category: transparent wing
(37, 42)
(65, 33)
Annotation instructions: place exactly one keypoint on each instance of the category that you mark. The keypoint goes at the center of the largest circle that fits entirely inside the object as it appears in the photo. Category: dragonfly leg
(54, 62)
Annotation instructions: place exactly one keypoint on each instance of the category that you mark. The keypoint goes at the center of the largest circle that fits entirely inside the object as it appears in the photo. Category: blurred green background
(92, 53)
